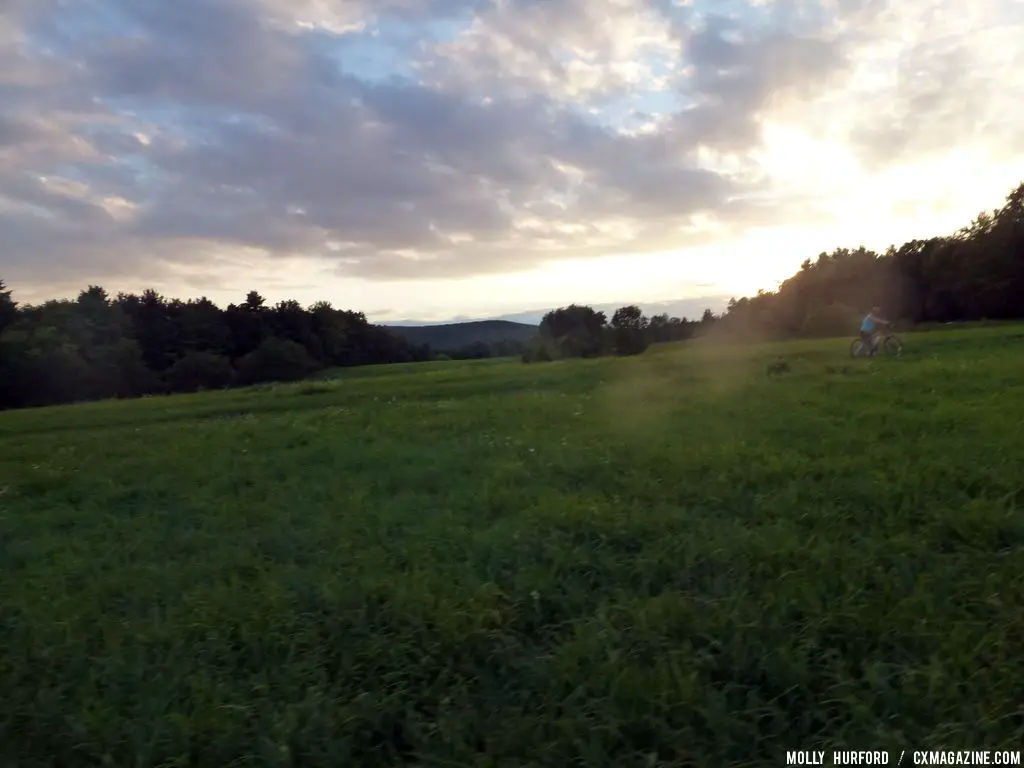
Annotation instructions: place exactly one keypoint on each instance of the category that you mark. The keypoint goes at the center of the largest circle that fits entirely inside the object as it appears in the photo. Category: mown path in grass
(658, 561)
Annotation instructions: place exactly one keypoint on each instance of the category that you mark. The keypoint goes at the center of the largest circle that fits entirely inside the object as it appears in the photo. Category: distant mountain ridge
(691, 308)
(523, 326)
(453, 336)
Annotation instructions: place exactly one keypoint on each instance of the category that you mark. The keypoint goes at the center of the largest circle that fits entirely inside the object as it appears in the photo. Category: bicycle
(888, 341)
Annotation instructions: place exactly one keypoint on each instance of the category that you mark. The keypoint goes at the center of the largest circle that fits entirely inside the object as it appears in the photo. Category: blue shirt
(867, 324)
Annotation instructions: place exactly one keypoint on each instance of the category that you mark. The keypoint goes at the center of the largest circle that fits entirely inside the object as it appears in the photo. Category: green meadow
(692, 557)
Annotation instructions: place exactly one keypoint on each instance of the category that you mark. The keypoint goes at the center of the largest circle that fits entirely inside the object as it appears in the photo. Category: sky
(434, 159)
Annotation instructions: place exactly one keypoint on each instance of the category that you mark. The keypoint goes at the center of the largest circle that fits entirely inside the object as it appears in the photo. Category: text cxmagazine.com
(903, 757)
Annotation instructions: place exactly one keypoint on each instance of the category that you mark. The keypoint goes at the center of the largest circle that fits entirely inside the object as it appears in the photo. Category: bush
(630, 341)
(538, 352)
(16, 374)
(582, 342)
(200, 370)
(276, 360)
(58, 375)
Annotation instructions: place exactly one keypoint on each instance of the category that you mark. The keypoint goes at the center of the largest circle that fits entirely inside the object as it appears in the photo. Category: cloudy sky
(434, 158)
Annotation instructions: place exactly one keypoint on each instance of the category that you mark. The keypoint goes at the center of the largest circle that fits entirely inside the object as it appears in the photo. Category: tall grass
(669, 560)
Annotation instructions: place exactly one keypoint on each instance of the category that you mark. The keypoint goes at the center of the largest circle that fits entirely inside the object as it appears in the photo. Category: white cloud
(456, 140)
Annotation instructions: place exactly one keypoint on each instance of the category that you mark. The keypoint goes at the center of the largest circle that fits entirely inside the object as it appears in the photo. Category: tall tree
(575, 331)
(8, 307)
(629, 330)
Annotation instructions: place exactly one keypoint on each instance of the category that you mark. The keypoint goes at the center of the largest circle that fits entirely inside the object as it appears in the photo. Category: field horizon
(690, 557)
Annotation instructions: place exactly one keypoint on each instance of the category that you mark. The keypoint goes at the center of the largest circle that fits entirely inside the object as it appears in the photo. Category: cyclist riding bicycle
(867, 327)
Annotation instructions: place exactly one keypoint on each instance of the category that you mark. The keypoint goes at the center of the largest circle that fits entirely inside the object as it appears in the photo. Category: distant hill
(452, 336)
(691, 308)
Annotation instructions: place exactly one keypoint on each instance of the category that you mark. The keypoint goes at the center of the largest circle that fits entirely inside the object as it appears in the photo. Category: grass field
(669, 560)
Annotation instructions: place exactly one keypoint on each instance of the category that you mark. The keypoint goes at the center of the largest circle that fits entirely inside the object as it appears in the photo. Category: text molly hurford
(915, 757)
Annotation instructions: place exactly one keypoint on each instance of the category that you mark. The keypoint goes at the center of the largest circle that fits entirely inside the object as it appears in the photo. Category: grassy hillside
(457, 335)
(669, 560)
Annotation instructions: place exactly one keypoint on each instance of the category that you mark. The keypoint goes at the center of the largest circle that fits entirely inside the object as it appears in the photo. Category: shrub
(200, 370)
(276, 360)
(539, 351)
(630, 341)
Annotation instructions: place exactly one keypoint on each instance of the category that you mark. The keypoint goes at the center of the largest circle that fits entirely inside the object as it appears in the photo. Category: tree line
(582, 331)
(976, 273)
(479, 350)
(97, 346)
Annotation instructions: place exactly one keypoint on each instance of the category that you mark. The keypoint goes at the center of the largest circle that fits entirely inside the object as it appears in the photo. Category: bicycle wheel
(893, 346)
(857, 348)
